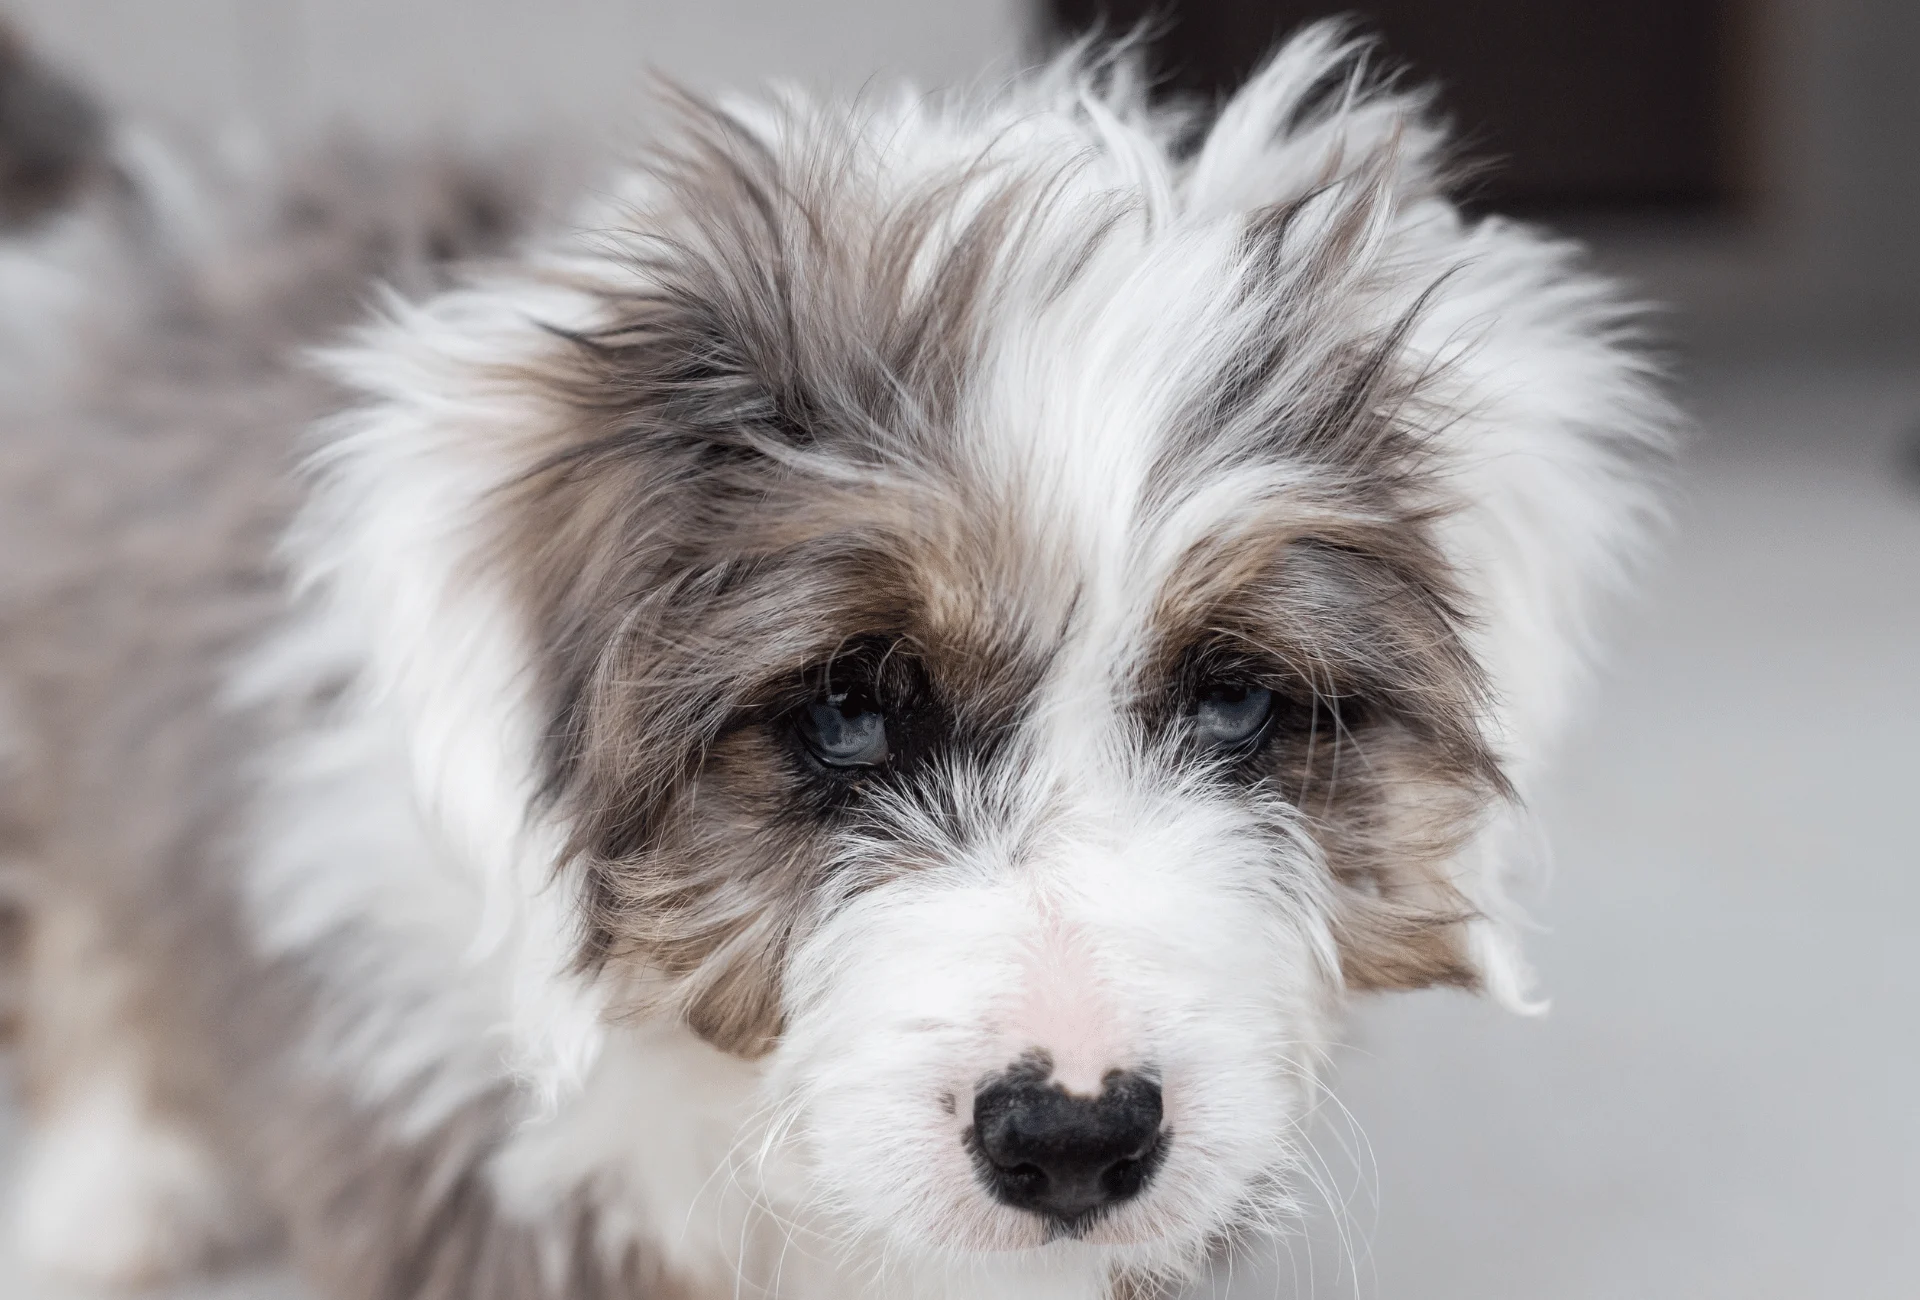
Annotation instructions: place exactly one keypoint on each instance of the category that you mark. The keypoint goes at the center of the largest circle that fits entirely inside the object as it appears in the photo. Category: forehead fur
(1037, 326)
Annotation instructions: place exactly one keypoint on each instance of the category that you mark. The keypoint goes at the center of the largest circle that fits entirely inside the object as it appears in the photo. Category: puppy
(839, 723)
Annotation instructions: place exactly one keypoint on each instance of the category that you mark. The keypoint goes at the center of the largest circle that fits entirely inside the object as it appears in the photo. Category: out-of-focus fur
(445, 891)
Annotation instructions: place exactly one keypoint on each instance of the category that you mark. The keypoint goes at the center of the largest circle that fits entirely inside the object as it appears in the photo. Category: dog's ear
(397, 552)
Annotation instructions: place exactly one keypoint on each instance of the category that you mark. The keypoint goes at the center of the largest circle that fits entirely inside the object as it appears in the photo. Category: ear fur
(392, 554)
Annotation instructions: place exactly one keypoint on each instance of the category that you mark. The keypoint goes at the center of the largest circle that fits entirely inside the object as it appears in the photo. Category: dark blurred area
(51, 136)
(1624, 106)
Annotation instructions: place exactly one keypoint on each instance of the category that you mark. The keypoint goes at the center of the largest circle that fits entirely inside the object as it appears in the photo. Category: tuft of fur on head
(1033, 417)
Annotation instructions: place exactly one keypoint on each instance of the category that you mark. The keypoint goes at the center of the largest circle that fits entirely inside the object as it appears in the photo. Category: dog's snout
(1044, 1149)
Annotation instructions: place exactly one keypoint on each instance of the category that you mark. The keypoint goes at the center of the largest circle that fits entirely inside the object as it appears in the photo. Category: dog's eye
(1230, 713)
(845, 729)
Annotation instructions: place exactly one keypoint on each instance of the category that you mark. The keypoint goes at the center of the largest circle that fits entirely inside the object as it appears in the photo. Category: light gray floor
(1723, 1100)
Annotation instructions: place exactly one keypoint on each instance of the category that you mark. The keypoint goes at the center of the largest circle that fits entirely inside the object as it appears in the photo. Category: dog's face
(1010, 610)
(1002, 672)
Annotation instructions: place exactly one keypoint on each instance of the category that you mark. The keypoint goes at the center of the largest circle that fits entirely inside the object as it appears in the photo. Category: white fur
(439, 708)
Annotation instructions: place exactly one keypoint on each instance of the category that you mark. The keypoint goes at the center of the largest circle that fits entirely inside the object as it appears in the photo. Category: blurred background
(1725, 1098)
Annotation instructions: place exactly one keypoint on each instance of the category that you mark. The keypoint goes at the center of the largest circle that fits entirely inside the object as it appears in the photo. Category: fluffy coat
(426, 856)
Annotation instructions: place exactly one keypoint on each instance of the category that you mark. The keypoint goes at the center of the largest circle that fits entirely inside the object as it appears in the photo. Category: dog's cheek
(1392, 822)
(698, 925)
(740, 1012)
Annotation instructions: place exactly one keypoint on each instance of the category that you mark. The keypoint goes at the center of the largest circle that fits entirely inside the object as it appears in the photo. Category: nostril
(1041, 1148)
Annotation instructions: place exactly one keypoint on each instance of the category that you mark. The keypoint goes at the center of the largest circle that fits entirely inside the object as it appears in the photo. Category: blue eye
(1226, 714)
(845, 730)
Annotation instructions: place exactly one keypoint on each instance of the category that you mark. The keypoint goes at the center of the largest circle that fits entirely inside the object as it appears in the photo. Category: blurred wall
(1838, 156)
(492, 66)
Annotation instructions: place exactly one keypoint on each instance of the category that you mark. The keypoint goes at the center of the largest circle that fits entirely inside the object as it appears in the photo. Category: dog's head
(1013, 617)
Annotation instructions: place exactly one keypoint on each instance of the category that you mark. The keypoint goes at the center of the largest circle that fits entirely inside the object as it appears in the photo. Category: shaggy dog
(840, 722)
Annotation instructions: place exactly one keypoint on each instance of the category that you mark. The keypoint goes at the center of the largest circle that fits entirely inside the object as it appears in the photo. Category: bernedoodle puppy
(838, 720)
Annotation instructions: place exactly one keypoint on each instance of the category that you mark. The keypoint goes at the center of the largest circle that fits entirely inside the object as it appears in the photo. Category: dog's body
(916, 630)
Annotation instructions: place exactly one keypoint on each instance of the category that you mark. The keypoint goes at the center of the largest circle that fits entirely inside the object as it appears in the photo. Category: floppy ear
(1545, 425)
(395, 552)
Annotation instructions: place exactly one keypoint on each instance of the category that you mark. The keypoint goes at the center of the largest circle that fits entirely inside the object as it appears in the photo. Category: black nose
(1039, 1147)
